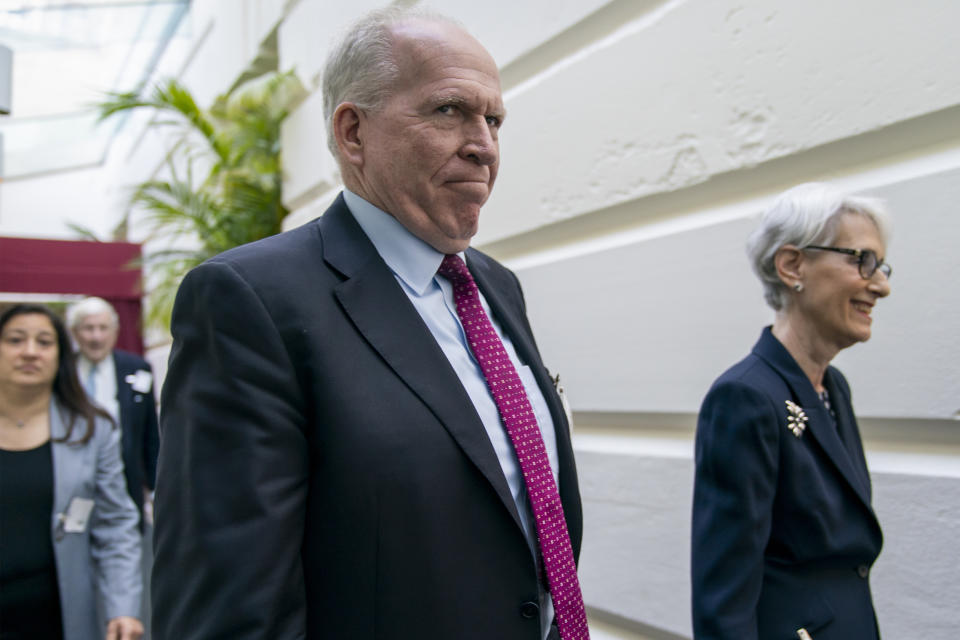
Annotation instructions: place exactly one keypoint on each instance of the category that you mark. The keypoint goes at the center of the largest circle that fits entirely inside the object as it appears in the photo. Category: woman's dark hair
(66, 385)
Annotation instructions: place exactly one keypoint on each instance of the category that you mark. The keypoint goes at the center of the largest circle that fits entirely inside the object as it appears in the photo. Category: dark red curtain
(105, 269)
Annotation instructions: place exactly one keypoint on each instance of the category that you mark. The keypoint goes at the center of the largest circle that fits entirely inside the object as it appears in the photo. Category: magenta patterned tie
(521, 423)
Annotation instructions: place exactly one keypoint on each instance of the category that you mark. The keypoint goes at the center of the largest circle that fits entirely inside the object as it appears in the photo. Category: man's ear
(789, 262)
(347, 121)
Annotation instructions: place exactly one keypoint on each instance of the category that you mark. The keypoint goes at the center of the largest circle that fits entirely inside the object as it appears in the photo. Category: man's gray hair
(88, 307)
(361, 67)
(804, 215)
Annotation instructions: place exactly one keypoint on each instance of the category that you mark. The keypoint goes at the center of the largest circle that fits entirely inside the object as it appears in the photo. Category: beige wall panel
(635, 557)
(636, 539)
(647, 326)
(510, 35)
(696, 89)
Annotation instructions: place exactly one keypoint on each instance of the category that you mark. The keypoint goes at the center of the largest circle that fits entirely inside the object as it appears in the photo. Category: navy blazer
(138, 424)
(783, 531)
(323, 473)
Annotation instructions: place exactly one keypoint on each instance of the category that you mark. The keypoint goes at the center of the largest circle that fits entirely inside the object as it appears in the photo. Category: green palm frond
(238, 199)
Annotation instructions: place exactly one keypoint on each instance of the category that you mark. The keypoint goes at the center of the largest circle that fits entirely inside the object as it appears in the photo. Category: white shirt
(105, 383)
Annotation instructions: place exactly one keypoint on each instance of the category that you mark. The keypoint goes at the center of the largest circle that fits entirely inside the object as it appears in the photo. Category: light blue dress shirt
(414, 263)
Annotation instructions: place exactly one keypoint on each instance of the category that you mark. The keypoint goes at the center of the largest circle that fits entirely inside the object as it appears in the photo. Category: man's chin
(95, 356)
(448, 245)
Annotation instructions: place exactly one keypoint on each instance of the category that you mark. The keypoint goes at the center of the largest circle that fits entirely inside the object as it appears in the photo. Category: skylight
(66, 55)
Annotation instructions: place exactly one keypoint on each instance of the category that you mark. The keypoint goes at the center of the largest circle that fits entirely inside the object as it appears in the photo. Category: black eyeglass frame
(863, 256)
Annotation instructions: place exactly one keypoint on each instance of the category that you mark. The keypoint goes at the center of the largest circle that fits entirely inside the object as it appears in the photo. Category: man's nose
(480, 144)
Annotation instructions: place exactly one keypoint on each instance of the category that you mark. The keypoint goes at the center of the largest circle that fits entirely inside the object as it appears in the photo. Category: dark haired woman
(69, 527)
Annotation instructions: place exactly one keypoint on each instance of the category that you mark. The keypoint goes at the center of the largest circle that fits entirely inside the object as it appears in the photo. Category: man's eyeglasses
(866, 258)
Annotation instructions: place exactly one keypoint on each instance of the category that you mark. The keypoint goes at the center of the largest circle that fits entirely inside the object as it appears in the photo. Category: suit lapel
(819, 424)
(404, 342)
(124, 409)
(124, 391)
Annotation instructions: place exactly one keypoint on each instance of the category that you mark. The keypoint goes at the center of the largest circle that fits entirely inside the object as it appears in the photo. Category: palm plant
(237, 200)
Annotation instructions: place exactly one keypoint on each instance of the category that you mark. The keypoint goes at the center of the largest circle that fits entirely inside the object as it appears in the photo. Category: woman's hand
(124, 628)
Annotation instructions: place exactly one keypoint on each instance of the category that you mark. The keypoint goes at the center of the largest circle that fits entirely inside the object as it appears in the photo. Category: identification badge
(77, 515)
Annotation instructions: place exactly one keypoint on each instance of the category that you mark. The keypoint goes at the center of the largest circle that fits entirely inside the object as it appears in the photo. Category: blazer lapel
(850, 434)
(65, 458)
(819, 423)
(404, 342)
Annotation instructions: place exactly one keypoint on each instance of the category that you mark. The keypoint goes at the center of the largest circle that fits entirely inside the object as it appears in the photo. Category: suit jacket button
(530, 610)
(863, 571)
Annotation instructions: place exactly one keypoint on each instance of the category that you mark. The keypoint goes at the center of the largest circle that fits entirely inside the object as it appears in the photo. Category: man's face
(95, 335)
(430, 155)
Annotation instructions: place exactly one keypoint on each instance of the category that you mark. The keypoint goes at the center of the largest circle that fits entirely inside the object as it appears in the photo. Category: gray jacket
(104, 558)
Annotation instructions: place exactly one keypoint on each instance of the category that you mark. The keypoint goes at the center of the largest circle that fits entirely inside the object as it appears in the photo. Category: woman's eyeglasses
(866, 259)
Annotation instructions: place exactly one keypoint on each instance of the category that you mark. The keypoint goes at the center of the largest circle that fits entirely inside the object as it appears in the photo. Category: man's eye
(493, 121)
(446, 108)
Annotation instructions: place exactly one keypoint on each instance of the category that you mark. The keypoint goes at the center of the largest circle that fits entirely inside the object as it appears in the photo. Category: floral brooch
(796, 418)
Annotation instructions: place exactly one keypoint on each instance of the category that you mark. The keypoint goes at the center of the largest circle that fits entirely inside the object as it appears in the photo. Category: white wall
(642, 140)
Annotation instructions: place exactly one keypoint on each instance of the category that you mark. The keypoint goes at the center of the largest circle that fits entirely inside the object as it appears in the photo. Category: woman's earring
(798, 286)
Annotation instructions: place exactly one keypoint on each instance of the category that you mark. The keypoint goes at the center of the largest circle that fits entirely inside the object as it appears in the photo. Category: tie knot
(453, 269)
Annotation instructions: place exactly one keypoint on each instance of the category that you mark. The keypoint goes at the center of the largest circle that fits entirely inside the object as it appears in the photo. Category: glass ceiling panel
(66, 55)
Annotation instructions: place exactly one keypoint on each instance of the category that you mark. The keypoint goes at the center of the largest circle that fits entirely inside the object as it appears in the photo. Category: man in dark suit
(333, 463)
(122, 383)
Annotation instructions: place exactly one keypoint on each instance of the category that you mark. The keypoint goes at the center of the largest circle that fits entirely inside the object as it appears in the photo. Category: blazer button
(530, 610)
(863, 571)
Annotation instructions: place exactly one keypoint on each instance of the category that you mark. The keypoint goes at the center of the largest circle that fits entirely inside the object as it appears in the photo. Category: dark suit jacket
(138, 420)
(783, 531)
(323, 473)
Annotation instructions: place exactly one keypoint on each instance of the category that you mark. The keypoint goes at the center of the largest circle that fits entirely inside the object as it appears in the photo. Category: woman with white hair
(784, 534)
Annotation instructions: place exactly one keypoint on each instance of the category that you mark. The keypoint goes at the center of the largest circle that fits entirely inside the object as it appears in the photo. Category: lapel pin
(796, 419)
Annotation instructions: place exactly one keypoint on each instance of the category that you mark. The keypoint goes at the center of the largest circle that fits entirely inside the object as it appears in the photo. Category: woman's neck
(18, 404)
(804, 344)
(25, 421)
